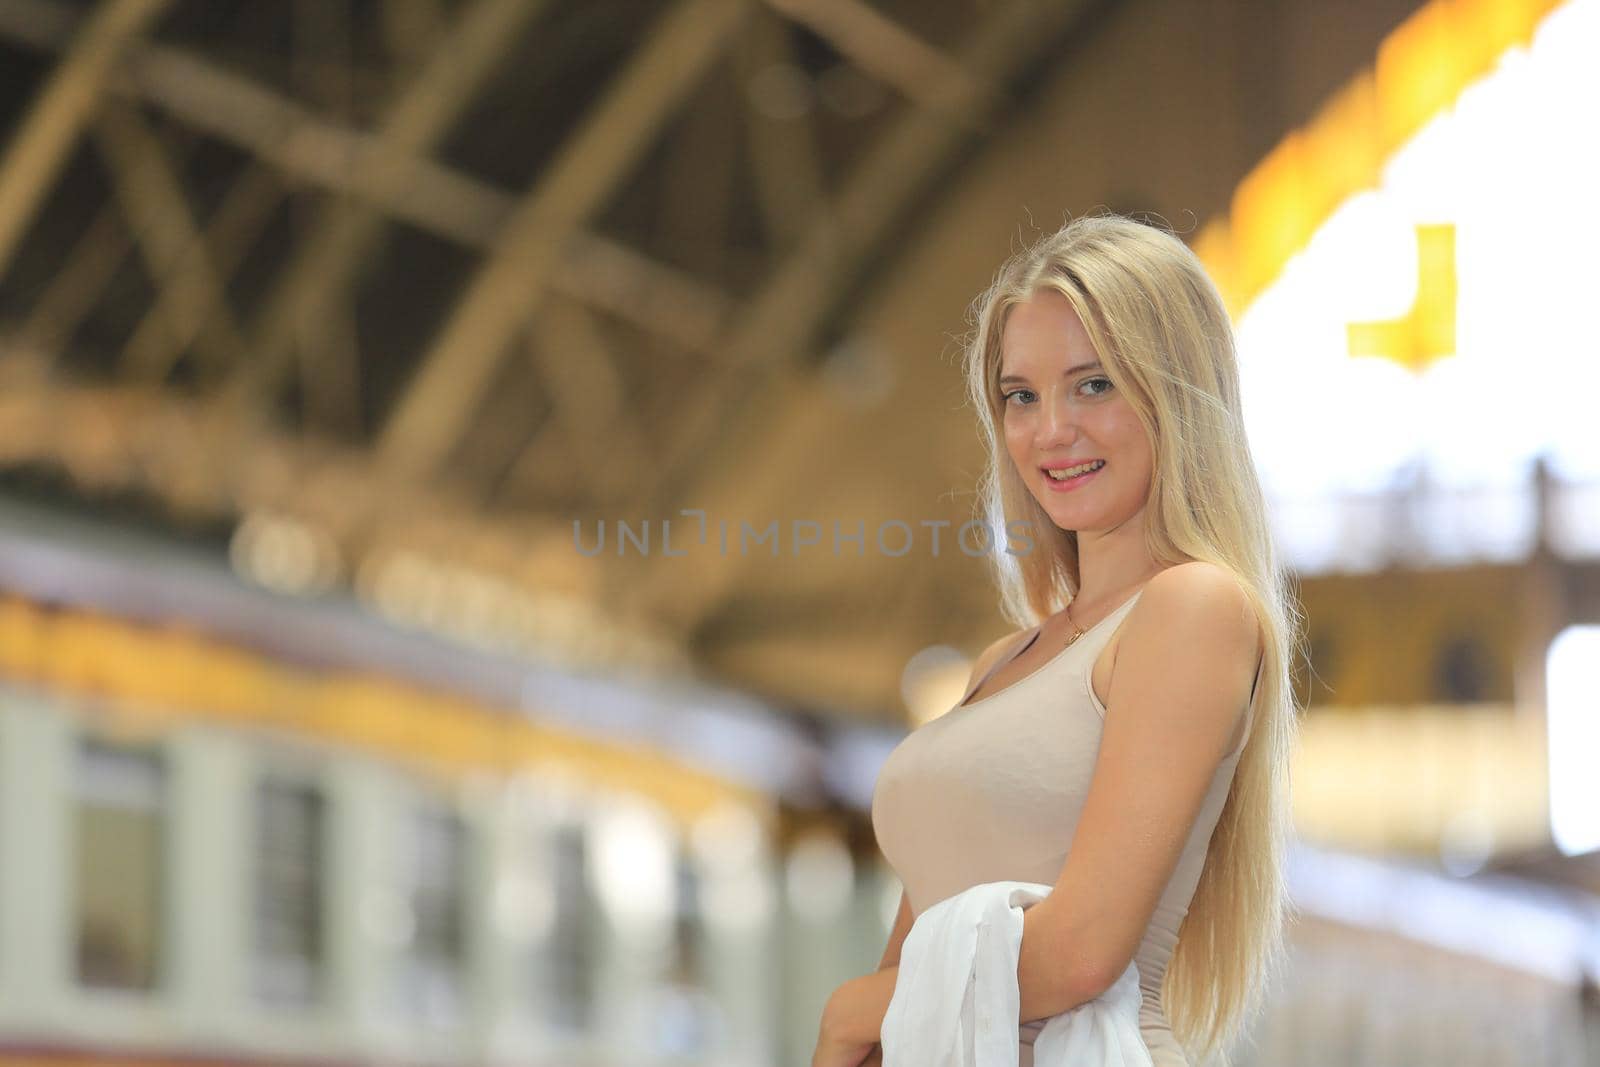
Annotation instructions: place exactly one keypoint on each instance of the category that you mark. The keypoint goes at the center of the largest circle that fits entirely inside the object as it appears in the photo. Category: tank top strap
(1092, 638)
(1111, 622)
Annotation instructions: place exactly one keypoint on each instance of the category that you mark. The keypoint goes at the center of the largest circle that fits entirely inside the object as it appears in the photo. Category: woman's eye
(1006, 398)
(1103, 386)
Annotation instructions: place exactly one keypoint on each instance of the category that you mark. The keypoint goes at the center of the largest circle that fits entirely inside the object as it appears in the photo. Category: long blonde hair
(1163, 335)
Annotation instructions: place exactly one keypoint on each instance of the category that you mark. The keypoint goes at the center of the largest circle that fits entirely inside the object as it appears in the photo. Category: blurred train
(208, 854)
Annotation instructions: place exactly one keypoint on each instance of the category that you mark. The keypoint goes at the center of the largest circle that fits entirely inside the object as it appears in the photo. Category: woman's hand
(852, 1019)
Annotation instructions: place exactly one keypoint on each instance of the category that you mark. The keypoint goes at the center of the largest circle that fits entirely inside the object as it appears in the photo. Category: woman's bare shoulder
(1198, 593)
(1196, 576)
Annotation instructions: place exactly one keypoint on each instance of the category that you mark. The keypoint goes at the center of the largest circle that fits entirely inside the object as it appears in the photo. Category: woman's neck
(1112, 564)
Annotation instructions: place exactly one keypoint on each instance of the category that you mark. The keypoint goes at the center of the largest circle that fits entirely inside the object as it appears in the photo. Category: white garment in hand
(956, 1001)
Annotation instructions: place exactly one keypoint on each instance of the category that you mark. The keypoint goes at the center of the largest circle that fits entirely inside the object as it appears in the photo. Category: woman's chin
(1079, 520)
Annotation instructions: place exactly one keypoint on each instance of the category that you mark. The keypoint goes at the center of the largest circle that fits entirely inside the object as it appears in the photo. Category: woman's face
(1060, 411)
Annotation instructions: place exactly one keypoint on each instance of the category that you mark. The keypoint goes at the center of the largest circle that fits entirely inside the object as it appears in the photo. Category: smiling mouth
(1067, 474)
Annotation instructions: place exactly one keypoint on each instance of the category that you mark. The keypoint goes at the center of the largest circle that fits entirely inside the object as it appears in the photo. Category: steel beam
(338, 242)
(426, 194)
(190, 293)
(461, 362)
(64, 106)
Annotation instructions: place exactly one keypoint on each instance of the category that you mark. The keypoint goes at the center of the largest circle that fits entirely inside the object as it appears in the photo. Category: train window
(119, 838)
(438, 903)
(687, 1020)
(289, 820)
(688, 924)
(565, 958)
(1461, 670)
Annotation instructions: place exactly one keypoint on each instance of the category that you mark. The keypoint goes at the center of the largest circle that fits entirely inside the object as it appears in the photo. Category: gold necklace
(1077, 631)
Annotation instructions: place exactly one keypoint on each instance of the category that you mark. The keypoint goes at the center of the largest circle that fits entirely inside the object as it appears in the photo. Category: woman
(1130, 748)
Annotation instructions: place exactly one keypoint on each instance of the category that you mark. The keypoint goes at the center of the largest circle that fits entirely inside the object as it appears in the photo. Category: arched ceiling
(415, 286)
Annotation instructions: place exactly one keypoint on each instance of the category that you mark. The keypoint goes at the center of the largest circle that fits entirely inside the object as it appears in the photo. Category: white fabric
(956, 1001)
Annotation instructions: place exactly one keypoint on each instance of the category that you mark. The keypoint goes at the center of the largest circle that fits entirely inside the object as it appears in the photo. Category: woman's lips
(1071, 483)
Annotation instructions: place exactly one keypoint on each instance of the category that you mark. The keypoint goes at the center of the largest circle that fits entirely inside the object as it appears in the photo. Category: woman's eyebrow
(1091, 365)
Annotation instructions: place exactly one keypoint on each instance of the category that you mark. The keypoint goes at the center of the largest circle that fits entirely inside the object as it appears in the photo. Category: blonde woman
(1129, 747)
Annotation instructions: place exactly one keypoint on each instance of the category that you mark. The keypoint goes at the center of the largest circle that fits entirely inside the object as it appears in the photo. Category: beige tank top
(992, 791)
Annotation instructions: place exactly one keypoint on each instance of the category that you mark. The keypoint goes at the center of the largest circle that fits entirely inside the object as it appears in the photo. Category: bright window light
(1572, 680)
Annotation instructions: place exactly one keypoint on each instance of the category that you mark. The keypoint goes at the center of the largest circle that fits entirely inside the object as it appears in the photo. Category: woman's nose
(1058, 423)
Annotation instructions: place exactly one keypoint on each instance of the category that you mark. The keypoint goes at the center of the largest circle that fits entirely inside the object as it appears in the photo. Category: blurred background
(472, 473)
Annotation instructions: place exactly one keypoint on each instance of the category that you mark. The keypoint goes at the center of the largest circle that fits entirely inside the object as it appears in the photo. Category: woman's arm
(1182, 678)
(853, 1019)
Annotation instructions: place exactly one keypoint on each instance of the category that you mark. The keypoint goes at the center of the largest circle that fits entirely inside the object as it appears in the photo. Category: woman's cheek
(1017, 433)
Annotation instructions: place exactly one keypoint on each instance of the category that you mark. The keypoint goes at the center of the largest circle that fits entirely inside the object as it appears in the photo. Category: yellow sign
(1427, 332)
